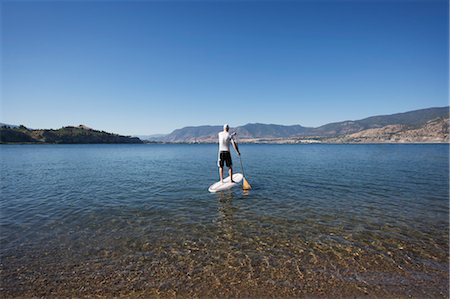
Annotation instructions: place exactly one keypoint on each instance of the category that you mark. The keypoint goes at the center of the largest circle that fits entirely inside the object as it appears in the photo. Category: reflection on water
(129, 221)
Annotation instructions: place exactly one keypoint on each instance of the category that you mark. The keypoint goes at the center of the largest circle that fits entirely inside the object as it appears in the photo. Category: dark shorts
(225, 157)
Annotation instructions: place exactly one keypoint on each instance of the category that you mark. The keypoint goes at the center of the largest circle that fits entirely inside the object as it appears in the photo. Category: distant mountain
(434, 131)
(274, 131)
(410, 120)
(153, 138)
(150, 137)
(191, 133)
(7, 125)
(80, 134)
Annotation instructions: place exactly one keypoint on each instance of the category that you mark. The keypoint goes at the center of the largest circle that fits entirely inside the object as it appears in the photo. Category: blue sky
(148, 67)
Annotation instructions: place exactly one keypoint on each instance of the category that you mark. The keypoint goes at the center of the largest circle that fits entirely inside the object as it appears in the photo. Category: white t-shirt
(224, 141)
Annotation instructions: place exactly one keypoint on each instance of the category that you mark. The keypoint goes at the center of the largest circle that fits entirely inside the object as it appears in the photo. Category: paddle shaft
(242, 167)
(237, 149)
(245, 184)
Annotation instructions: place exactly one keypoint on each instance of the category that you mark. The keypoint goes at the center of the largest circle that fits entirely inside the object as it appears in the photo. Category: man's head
(226, 127)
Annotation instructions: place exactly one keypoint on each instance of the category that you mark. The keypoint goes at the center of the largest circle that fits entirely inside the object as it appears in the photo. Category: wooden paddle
(245, 184)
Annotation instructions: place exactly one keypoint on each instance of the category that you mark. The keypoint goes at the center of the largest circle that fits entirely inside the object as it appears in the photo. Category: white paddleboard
(227, 184)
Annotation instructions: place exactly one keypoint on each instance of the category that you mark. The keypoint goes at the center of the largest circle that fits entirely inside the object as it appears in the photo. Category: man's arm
(234, 143)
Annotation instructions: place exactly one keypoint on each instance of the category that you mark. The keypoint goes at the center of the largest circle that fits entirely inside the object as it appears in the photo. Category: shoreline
(186, 143)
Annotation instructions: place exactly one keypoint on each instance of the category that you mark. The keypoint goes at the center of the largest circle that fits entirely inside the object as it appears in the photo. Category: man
(224, 151)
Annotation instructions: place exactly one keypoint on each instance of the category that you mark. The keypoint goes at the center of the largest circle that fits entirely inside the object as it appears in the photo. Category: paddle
(245, 184)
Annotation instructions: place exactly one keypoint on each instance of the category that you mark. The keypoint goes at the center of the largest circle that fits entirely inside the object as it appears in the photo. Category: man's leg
(230, 171)
(230, 166)
(221, 174)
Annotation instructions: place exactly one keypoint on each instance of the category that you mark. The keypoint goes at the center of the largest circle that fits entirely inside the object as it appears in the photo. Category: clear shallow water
(137, 220)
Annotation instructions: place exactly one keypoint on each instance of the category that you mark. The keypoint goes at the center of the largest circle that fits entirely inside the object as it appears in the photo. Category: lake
(138, 221)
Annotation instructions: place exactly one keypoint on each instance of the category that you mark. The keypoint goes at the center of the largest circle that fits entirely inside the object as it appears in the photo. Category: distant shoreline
(416, 127)
(213, 143)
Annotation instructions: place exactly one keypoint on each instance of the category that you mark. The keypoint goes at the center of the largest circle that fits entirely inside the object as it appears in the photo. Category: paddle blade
(246, 185)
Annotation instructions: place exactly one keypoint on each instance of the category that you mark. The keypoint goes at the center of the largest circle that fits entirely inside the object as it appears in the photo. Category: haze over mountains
(405, 121)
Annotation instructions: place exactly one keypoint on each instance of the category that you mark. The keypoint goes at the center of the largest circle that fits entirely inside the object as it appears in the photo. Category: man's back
(224, 141)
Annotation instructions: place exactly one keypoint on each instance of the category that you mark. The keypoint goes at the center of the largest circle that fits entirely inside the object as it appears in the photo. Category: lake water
(138, 221)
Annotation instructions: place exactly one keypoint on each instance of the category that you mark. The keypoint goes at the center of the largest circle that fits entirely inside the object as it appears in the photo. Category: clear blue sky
(149, 67)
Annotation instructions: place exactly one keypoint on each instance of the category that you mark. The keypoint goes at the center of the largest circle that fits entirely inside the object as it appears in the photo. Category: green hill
(65, 135)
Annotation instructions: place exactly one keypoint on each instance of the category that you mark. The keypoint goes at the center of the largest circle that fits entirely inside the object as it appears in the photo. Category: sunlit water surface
(137, 220)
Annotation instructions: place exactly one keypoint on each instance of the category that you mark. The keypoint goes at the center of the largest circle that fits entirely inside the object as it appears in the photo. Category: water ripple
(137, 221)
